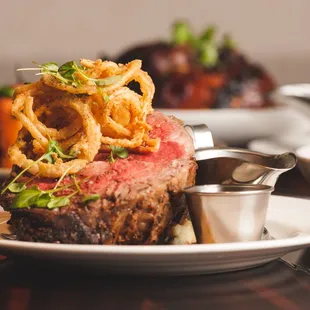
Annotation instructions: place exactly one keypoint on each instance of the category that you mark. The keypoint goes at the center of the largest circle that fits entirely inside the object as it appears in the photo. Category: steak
(141, 195)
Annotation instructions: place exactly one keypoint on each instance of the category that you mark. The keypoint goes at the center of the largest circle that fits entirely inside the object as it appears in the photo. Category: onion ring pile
(83, 118)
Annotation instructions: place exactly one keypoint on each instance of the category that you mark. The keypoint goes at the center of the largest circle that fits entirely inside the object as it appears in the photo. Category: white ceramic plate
(287, 222)
(239, 126)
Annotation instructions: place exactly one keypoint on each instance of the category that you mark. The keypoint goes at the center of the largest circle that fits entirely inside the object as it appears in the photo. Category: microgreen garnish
(117, 151)
(53, 147)
(63, 175)
(44, 156)
(17, 187)
(43, 200)
(68, 69)
(67, 73)
(106, 98)
(108, 80)
(60, 201)
(26, 198)
(49, 67)
(76, 184)
(88, 198)
(35, 197)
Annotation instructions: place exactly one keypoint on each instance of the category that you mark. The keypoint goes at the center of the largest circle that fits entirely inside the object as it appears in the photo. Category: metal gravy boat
(225, 165)
(230, 199)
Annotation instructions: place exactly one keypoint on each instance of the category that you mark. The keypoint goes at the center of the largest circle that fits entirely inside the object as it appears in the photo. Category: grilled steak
(140, 196)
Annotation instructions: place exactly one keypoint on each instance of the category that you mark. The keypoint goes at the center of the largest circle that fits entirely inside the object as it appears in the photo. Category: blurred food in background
(200, 72)
(9, 126)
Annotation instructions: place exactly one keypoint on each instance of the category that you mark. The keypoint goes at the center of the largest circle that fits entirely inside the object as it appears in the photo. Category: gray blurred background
(272, 32)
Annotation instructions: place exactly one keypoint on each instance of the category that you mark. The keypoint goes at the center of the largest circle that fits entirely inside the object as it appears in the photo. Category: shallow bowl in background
(303, 155)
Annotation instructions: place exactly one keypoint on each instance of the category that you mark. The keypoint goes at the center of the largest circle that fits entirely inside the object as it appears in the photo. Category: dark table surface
(26, 285)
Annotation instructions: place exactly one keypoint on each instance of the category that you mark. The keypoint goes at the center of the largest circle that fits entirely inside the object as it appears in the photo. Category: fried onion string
(83, 116)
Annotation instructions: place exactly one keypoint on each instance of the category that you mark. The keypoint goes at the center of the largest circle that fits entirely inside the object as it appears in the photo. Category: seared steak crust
(140, 197)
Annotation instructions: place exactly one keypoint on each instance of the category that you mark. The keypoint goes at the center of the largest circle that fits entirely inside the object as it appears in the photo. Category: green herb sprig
(53, 148)
(88, 198)
(19, 187)
(66, 73)
(117, 151)
(35, 197)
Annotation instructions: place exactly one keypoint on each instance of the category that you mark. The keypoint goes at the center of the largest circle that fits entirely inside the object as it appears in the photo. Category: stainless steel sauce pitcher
(234, 165)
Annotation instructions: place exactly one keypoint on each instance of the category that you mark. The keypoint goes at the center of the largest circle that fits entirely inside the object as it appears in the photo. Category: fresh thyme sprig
(66, 73)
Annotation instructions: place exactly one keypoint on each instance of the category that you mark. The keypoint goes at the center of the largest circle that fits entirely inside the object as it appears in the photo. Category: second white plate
(239, 126)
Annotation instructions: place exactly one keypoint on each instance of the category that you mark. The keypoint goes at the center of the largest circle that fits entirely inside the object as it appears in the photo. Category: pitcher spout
(253, 167)
(246, 166)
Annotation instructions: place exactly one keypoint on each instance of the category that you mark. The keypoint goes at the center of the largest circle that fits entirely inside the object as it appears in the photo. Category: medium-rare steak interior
(140, 195)
(122, 196)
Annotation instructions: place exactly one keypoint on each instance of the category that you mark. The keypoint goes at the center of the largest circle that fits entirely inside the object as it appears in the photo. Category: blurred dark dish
(197, 72)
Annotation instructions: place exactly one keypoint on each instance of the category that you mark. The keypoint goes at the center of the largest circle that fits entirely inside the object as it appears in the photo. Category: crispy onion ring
(61, 134)
(122, 120)
(45, 169)
(87, 144)
(84, 116)
(99, 69)
(54, 82)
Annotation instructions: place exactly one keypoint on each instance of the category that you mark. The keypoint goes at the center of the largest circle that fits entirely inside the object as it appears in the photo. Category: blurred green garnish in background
(208, 34)
(208, 54)
(205, 44)
(207, 48)
(6, 91)
(181, 33)
(228, 42)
